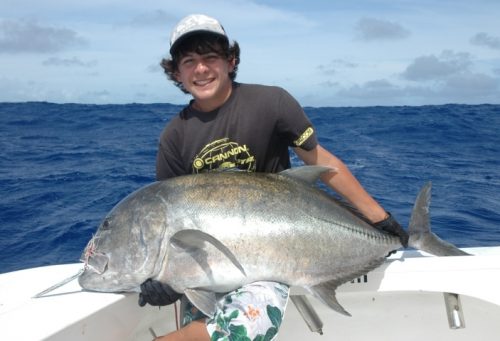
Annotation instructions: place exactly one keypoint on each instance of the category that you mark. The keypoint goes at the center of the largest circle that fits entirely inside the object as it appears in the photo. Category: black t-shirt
(251, 131)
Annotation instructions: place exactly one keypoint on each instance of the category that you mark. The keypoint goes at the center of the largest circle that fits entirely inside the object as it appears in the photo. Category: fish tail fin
(419, 229)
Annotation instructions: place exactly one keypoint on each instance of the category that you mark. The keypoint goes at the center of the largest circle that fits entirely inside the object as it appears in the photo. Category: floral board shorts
(251, 313)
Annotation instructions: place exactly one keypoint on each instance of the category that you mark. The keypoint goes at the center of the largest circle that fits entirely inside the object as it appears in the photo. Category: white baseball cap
(194, 23)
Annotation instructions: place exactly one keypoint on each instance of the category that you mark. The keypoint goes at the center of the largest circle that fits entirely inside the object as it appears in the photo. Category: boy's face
(206, 77)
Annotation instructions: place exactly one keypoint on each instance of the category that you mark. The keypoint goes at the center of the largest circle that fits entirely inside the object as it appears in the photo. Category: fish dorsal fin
(205, 301)
(325, 292)
(308, 174)
(190, 240)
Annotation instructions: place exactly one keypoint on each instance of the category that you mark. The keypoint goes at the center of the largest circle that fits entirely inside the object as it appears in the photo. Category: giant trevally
(212, 233)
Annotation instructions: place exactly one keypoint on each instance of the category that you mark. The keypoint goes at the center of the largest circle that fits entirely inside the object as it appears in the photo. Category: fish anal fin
(205, 301)
(325, 292)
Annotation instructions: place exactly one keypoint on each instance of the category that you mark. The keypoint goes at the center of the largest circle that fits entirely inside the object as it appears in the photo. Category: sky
(325, 52)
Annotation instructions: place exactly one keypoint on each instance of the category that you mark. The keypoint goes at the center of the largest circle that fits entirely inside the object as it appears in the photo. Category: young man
(228, 125)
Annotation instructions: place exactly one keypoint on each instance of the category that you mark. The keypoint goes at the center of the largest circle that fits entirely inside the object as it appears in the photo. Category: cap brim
(182, 38)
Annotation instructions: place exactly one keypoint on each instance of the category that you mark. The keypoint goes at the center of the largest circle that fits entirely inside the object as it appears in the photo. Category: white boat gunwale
(70, 313)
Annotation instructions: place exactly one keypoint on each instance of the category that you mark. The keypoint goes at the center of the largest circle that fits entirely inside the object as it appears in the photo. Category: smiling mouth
(203, 82)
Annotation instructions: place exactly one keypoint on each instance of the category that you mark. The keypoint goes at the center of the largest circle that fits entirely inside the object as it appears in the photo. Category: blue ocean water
(64, 166)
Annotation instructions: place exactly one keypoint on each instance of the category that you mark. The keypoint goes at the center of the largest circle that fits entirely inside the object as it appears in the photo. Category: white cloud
(431, 67)
(382, 92)
(468, 88)
(15, 90)
(28, 36)
(370, 29)
(330, 84)
(335, 65)
(100, 96)
(56, 61)
(469, 84)
(379, 88)
(484, 39)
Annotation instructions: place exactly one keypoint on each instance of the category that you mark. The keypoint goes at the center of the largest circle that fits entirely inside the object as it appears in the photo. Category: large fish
(212, 233)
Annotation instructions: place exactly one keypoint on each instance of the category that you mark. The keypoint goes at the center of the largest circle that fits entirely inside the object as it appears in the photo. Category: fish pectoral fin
(307, 174)
(205, 301)
(325, 292)
(189, 240)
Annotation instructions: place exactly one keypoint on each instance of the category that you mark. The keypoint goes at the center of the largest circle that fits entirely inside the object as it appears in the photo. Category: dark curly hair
(202, 43)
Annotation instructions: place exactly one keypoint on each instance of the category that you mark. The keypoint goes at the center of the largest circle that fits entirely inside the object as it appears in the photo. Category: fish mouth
(98, 263)
(93, 259)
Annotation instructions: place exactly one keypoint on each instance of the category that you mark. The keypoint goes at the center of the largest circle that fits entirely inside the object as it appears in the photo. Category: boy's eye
(190, 60)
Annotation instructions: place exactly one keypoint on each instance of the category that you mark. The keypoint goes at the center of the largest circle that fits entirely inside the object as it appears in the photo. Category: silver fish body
(218, 231)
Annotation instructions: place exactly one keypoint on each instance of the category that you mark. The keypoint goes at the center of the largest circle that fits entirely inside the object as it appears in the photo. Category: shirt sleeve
(294, 124)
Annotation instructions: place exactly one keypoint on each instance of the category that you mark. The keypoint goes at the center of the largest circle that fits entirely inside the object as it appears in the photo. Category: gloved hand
(157, 294)
(391, 226)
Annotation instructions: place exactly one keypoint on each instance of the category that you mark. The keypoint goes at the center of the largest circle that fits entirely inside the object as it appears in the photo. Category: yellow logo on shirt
(305, 135)
(224, 154)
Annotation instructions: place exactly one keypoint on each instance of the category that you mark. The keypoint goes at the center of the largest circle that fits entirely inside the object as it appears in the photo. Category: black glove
(156, 293)
(391, 226)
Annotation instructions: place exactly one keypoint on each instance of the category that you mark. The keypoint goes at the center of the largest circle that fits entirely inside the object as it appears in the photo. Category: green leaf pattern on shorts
(231, 319)
(230, 332)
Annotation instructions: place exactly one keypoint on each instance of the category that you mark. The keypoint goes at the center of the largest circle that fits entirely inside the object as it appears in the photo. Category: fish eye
(106, 224)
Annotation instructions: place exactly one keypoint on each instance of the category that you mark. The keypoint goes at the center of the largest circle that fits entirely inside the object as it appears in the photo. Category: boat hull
(403, 298)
